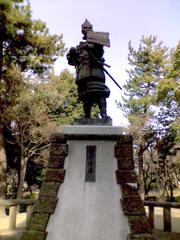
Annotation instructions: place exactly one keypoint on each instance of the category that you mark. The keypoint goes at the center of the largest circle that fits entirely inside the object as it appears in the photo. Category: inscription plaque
(90, 164)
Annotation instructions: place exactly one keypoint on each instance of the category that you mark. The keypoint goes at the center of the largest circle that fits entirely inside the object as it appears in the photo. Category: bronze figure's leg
(102, 107)
(87, 109)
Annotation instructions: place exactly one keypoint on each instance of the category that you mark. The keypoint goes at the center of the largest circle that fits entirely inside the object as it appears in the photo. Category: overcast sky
(125, 20)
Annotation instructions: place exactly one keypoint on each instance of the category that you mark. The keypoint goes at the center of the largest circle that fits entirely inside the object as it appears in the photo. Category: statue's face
(85, 30)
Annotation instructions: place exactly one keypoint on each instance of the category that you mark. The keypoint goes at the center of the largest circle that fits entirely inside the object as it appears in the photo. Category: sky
(125, 20)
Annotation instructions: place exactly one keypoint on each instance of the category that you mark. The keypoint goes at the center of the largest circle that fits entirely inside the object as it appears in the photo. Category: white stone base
(91, 129)
(89, 211)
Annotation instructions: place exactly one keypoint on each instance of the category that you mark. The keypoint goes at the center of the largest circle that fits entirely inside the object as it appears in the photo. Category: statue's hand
(72, 50)
(85, 45)
(72, 56)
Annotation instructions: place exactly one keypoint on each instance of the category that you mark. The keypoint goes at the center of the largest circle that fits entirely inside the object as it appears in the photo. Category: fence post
(12, 217)
(167, 218)
(28, 211)
(151, 216)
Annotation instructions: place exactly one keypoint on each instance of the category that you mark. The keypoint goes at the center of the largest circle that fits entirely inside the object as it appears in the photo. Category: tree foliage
(25, 43)
(37, 113)
(148, 66)
(26, 48)
(169, 97)
(151, 103)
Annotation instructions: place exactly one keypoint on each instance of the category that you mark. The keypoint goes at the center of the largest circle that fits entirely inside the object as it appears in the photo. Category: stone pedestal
(89, 210)
(93, 168)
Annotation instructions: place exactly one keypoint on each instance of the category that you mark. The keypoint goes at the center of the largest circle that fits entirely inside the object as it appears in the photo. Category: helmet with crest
(86, 26)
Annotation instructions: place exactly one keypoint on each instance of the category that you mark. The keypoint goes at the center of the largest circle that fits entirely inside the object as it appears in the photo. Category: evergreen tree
(169, 98)
(168, 122)
(27, 46)
(149, 65)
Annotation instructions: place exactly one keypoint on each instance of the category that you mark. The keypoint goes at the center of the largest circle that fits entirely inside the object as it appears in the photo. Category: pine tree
(169, 98)
(27, 46)
(148, 66)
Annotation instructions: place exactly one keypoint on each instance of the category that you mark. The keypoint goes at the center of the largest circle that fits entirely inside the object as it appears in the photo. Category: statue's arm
(72, 57)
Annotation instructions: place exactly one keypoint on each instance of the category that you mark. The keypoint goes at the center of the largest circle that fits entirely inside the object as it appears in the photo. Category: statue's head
(86, 26)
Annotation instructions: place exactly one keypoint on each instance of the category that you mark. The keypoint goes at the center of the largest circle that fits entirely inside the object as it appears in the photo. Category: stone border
(46, 203)
(132, 205)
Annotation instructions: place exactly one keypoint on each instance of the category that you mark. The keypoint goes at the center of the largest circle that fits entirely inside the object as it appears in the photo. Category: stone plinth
(89, 210)
(91, 130)
(98, 196)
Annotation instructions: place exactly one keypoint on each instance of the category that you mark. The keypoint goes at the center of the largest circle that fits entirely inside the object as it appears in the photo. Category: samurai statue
(88, 60)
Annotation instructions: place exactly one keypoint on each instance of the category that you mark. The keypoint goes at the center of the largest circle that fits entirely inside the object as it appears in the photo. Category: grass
(160, 235)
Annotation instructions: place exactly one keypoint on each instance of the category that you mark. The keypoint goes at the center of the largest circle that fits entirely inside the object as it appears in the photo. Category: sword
(112, 78)
(101, 64)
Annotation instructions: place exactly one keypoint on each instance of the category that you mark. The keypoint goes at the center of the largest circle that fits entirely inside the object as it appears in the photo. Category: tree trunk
(1, 59)
(22, 174)
(141, 173)
(171, 193)
(141, 178)
(3, 160)
(3, 169)
(163, 189)
(158, 182)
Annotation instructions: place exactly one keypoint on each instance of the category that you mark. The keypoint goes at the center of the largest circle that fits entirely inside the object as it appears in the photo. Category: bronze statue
(88, 60)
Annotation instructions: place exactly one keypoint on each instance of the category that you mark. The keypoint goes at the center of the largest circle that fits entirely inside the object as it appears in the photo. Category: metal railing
(166, 212)
(13, 205)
